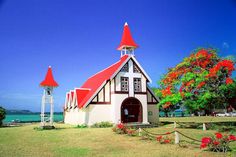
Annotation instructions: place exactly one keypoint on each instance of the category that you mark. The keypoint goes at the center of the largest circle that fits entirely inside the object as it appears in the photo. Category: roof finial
(49, 66)
(49, 79)
(127, 44)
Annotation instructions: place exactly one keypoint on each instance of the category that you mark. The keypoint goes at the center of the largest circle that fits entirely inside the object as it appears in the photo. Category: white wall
(90, 115)
(143, 99)
(75, 116)
(117, 100)
(154, 118)
(98, 113)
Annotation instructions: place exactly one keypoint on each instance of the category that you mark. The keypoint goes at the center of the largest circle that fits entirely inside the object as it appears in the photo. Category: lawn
(197, 119)
(67, 140)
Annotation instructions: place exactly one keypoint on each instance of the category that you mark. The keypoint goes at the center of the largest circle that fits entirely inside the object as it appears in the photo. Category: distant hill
(26, 112)
(18, 112)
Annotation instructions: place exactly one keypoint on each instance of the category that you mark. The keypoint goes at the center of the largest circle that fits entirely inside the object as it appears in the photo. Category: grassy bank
(70, 141)
(201, 119)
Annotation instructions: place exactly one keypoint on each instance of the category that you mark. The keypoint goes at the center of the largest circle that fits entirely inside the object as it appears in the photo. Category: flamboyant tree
(202, 81)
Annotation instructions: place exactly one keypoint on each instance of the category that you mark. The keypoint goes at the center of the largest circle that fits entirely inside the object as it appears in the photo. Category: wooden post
(203, 126)
(176, 137)
(139, 132)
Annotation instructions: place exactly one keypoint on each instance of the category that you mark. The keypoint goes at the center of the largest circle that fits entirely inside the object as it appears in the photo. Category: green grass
(199, 119)
(67, 140)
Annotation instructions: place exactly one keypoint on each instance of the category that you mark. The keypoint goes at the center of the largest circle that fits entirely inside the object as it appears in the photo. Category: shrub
(119, 128)
(82, 126)
(2, 114)
(218, 143)
(102, 125)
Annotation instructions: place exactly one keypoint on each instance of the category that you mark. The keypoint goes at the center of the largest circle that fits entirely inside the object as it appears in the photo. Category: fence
(176, 133)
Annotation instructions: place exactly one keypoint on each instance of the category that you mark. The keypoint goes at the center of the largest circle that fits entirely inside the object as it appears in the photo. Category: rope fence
(176, 133)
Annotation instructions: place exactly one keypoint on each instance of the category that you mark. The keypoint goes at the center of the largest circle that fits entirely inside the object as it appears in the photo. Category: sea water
(30, 117)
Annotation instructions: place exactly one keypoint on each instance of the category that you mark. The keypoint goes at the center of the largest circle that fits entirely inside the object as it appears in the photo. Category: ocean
(30, 117)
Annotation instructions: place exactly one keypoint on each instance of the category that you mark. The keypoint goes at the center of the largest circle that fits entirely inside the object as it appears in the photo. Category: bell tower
(127, 44)
(48, 85)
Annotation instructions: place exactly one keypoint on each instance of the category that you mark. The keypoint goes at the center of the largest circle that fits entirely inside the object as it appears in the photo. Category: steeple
(49, 80)
(127, 44)
(47, 99)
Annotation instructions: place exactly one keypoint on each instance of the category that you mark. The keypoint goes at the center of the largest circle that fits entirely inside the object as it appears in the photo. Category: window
(136, 69)
(137, 85)
(125, 68)
(124, 84)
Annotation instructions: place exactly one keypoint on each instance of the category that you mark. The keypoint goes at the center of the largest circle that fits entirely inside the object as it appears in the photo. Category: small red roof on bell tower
(127, 40)
(49, 80)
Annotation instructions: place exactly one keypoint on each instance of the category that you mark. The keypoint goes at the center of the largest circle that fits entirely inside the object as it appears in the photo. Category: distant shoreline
(29, 117)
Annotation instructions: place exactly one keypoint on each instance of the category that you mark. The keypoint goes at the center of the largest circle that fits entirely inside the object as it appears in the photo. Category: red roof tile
(96, 81)
(49, 80)
(127, 40)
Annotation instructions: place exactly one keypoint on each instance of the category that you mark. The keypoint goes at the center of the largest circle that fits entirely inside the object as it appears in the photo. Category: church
(118, 94)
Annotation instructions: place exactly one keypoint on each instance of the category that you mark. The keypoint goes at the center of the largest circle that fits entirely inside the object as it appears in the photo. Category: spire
(127, 42)
(49, 80)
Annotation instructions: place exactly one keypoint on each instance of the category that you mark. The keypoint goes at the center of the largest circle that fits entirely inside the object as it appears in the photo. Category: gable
(151, 97)
(97, 82)
(137, 65)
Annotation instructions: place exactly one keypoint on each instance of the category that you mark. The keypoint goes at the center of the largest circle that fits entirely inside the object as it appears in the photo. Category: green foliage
(2, 114)
(102, 125)
(82, 126)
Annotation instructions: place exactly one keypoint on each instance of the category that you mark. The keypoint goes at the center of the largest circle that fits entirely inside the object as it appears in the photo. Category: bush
(82, 126)
(119, 129)
(102, 125)
(218, 143)
(2, 114)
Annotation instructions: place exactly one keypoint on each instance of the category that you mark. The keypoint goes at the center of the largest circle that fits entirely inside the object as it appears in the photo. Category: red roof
(72, 95)
(90, 87)
(49, 80)
(81, 94)
(127, 40)
(68, 101)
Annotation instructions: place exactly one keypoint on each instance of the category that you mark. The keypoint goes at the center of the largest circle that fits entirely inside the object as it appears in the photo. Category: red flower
(232, 138)
(202, 53)
(206, 140)
(228, 80)
(201, 84)
(167, 105)
(216, 143)
(166, 91)
(203, 145)
(190, 82)
(120, 126)
(159, 138)
(218, 135)
(166, 141)
(167, 133)
(225, 64)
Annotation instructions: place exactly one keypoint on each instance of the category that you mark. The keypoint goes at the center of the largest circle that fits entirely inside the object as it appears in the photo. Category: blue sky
(79, 38)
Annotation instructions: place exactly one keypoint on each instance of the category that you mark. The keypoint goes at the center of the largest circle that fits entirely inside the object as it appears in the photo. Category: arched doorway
(131, 110)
